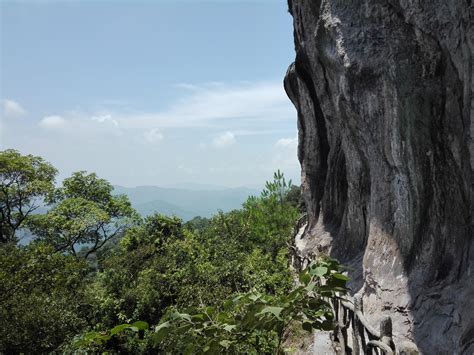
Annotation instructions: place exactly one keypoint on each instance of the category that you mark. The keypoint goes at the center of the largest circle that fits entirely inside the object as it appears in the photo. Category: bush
(251, 323)
(41, 298)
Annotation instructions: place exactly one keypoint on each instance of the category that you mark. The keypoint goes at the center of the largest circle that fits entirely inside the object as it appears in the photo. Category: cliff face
(384, 91)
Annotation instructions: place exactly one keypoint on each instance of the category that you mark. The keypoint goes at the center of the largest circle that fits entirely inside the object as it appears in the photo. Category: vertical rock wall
(384, 91)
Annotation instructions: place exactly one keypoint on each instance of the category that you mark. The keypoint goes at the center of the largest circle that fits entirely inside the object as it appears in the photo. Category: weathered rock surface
(384, 91)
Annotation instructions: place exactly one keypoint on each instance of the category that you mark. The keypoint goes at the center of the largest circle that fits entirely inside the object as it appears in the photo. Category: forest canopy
(97, 276)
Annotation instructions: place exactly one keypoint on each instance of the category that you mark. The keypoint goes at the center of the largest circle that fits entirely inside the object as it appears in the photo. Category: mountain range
(187, 200)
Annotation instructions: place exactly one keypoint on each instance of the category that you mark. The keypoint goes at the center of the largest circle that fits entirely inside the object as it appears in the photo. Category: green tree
(278, 188)
(25, 181)
(41, 298)
(270, 219)
(295, 198)
(84, 212)
(245, 323)
(141, 277)
(161, 263)
(198, 223)
(254, 322)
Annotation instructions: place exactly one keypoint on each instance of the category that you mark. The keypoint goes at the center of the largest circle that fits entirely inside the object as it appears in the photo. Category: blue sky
(150, 92)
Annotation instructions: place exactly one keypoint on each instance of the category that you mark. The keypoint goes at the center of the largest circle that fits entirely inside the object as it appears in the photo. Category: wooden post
(357, 328)
(344, 325)
(340, 327)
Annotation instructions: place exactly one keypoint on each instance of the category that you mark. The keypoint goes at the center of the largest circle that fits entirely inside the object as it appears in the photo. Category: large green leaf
(119, 328)
(141, 325)
(276, 311)
(340, 277)
(161, 331)
(319, 271)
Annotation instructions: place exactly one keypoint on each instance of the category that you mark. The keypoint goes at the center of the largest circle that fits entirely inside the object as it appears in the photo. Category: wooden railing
(354, 334)
(365, 339)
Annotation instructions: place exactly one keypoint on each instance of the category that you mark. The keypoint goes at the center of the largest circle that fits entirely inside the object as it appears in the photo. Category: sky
(150, 92)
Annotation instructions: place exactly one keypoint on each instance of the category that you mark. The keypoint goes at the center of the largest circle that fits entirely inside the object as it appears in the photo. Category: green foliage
(156, 230)
(84, 213)
(114, 339)
(138, 279)
(251, 323)
(228, 275)
(25, 180)
(41, 294)
(254, 322)
(159, 264)
(294, 198)
(278, 188)
(197, 224)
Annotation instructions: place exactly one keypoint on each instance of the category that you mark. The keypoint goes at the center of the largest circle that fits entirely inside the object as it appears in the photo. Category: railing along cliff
(365, 338)
(354, 334)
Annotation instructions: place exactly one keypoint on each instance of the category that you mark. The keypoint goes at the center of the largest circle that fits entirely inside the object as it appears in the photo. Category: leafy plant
(228, 275)
(85, 212)
(94, 340)
(278, 188)
(25, 181)
(41, 298)
(251, 322)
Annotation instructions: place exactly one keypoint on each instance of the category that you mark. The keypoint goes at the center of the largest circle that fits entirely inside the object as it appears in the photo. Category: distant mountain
(166, 208)
(185, 203)
(195, 186)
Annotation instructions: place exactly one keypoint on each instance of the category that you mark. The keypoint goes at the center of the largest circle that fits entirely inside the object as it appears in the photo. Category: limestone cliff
(384, 91)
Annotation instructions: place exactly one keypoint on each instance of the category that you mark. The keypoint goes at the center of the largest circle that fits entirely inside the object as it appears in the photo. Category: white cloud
(225, 139)
(243, 108)
(52, 122)
(285, 157)
(154, 136)
(251, 104)
(198, 127)
(287, 142)
(208, 85)
(12, 108)
(105, 118)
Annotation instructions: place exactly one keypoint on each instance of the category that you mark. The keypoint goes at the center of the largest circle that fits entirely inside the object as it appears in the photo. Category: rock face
(384, 91)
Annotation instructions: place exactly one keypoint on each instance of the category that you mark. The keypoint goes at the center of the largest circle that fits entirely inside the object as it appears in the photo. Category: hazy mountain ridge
(183, 202)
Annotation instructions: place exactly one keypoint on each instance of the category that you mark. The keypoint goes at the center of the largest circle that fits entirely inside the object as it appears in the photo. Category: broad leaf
(304, 277)
(276, 311)
(319, 271)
